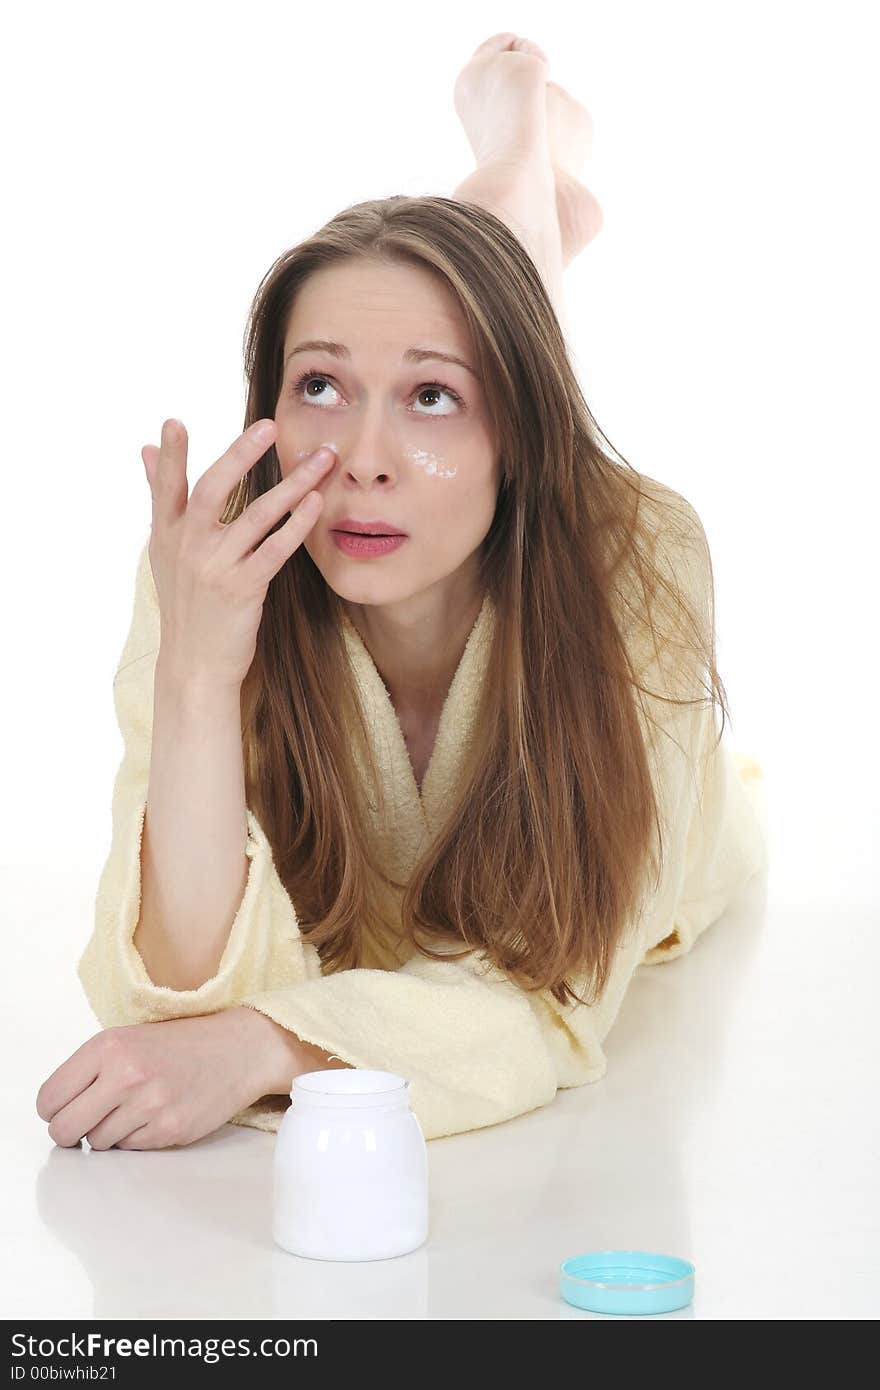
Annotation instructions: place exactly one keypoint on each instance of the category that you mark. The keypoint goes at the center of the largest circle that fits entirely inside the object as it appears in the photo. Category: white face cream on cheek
(433, 464)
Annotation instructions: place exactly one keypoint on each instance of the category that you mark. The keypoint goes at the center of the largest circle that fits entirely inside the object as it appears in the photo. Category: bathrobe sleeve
(477, 1049)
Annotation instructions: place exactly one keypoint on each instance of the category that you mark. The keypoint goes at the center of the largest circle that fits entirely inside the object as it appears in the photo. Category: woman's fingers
(124, 1126)
(296, 494)
(216, 483)
(166, 471)
(69, 1080)
(150, 456)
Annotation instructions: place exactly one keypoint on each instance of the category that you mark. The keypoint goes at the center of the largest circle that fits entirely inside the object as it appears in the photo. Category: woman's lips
(350, 543)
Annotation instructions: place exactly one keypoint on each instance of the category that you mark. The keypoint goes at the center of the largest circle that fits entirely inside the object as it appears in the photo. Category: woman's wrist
(278, 1054)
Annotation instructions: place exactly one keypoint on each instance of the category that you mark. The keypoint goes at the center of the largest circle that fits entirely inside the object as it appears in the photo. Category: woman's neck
(417, 646)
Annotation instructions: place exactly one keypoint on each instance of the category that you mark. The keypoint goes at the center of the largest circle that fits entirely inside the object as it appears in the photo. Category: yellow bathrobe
(476, 1048)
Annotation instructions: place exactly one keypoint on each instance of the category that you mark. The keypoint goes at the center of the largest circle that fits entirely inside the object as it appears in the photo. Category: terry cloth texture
(476, 1048)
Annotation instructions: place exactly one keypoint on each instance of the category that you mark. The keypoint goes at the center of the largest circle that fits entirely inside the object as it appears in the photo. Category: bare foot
(570, 135)
(514, 116)
(580, 215)
(569, 129)
(500, 100)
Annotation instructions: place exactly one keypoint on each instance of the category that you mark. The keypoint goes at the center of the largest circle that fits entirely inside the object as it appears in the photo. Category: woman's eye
(300, 389)
(306, 380)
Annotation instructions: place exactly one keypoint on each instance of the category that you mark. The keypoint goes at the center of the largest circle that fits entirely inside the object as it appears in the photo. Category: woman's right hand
(212, 579)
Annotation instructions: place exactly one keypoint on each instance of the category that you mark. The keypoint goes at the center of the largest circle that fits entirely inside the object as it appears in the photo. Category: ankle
(522, 196)
(523, 199)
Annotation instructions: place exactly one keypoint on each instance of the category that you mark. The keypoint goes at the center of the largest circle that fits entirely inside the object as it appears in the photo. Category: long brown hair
(599, 576)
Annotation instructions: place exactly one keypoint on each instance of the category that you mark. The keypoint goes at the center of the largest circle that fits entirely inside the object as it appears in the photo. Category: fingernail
(318, 459)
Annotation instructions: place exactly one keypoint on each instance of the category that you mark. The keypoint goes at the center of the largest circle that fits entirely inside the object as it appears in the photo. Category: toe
(497, 43)
(529, 46)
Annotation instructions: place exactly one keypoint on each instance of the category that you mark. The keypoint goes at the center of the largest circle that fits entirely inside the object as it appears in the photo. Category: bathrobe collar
(416, 818)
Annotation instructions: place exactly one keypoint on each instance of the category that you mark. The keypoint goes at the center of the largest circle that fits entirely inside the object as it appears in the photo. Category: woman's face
(411, 438)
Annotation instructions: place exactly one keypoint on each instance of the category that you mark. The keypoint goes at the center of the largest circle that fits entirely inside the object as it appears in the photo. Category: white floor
(737, 1126)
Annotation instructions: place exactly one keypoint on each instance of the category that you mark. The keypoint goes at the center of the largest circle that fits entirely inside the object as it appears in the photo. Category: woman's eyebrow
(414, 354)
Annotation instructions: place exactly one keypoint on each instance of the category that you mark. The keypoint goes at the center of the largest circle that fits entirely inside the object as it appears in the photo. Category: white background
(158, 159)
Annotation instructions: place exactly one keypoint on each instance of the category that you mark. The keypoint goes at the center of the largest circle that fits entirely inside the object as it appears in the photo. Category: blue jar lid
(627, 1281)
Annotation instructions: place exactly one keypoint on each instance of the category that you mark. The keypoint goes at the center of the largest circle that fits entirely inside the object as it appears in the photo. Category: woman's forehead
(388, 309)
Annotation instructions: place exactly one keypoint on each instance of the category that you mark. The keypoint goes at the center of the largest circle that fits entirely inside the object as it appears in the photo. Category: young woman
(418, 804)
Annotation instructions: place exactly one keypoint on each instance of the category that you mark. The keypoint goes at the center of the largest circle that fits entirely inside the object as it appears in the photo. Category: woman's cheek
(296, 441)
(431, 461)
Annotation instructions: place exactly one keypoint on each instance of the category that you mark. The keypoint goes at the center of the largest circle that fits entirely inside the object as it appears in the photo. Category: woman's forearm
(193, 862)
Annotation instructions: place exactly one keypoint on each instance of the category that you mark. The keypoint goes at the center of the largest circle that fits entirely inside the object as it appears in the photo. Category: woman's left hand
(152, 1085)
